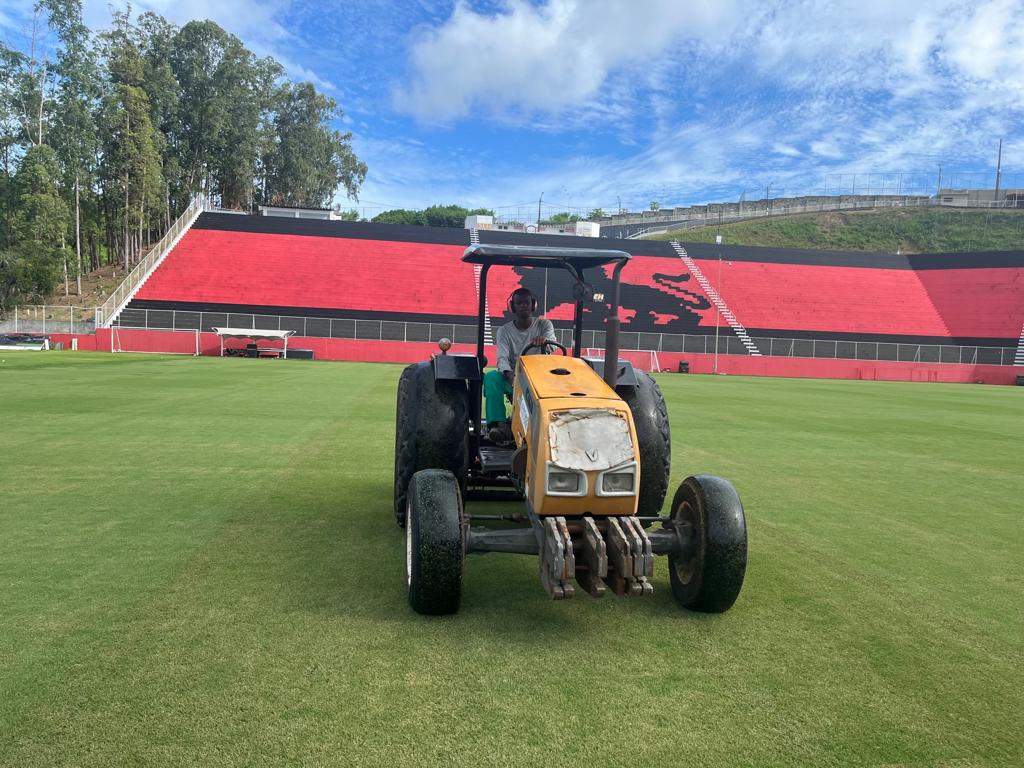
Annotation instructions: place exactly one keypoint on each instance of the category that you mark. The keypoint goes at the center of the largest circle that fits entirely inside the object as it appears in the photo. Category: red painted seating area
(983, 303)
(241, 268)
(339, 269)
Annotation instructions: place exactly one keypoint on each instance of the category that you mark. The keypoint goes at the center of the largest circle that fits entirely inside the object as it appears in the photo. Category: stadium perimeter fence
(49, 319)
(725, 343)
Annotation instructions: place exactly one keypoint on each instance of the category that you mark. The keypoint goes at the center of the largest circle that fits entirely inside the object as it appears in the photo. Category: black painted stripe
(361, 314)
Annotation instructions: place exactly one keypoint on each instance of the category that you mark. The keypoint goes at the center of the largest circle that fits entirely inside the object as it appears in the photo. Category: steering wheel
(544, 347)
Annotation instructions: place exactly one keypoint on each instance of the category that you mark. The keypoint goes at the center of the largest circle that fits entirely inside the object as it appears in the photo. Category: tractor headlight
(565, 482)
(619, 481)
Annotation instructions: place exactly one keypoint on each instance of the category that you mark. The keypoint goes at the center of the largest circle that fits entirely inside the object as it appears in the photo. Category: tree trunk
(127, 222)
(142, 219)
(127, 228)
(64, 256)
(78, 240)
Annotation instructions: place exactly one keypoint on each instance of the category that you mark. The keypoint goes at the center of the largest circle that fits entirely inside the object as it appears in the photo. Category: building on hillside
(290, 212)
(982, 198)
(479, 221)
(574, 228)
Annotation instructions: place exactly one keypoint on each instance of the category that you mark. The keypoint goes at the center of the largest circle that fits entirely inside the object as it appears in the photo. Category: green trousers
(496, 386)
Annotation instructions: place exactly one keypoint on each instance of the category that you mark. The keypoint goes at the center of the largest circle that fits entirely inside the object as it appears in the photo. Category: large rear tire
(708, 574)
(431, 429)
(434, 551)
(650, 416)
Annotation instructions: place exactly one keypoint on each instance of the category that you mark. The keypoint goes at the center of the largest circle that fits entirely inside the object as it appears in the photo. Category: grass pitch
(199, 566)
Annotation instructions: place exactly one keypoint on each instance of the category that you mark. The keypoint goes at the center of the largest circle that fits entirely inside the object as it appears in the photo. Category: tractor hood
(589, 438)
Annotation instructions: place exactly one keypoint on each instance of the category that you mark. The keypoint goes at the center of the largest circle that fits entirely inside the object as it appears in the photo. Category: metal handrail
(118, 300)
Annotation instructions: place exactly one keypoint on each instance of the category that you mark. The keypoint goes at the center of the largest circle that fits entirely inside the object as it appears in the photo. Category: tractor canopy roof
(576, 259)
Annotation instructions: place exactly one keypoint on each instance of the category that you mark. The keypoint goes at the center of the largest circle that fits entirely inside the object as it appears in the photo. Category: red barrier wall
(183, 342)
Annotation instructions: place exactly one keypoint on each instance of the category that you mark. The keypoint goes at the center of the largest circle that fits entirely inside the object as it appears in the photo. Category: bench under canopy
(255, 334)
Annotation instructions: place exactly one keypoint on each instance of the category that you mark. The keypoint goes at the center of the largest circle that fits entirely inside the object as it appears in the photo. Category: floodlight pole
(999, 172)
(718, 304)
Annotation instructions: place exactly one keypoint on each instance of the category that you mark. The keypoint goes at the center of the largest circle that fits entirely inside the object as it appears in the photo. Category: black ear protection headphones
(533, 299)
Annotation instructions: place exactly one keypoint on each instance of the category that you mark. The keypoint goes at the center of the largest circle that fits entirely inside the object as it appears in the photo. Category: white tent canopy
(256, 334)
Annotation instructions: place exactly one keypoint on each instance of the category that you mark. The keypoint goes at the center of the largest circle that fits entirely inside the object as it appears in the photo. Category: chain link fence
(725, 343)
(49, 319)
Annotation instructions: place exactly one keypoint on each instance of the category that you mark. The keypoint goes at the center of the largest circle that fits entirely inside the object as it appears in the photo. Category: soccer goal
(164, 342)
(641, 359)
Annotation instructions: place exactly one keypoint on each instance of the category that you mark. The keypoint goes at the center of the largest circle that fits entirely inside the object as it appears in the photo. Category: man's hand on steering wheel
(543, 342)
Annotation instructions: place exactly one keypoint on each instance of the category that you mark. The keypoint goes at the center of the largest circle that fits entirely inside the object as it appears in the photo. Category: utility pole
(541, 200)
(718, 242)
(999, 171)
(938, 187)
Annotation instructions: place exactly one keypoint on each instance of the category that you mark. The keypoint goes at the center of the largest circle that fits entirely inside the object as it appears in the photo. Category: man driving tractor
(512, 338)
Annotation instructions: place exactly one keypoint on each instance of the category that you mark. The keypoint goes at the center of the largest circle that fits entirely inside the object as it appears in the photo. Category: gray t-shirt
(511, 341)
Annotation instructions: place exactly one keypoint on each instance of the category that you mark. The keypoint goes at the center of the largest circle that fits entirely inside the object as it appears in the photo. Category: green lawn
(199, 566)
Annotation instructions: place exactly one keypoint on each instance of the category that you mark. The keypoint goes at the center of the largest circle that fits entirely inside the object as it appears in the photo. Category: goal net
(164, 342)
(641, 359)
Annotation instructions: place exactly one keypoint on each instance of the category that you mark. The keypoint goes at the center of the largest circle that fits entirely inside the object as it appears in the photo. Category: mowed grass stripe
(199, 566)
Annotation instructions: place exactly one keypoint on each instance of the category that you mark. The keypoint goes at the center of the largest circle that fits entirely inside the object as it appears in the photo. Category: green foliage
(308, 160)
(910, 230)
(596, 213)
(562, 218)
(434, 216)
(30, 263)
(144, 116)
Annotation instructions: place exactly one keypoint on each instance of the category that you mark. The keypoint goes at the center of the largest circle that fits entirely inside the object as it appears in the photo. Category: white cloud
(542, 57)
(787, 150)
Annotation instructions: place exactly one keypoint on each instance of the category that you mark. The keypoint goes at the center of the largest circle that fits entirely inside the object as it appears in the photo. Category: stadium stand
(336, 275)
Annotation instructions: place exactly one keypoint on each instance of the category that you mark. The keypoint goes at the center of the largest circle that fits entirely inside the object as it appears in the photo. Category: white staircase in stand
(474, 239)
(113, 306)
(1018, 359)
(717, 300)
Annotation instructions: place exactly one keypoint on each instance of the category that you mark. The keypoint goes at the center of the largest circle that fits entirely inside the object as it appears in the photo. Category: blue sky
(593, 102)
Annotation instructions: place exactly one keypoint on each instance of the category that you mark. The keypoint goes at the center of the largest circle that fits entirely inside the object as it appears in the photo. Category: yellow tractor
(590, 459)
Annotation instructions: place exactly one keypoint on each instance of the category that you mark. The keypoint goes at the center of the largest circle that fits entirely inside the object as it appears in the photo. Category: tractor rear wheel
(650, 416)
(434, 551)
(707, 574)
(431, 429)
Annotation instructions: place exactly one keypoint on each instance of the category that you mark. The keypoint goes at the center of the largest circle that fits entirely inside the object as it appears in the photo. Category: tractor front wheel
(707, 572)
(434, 550)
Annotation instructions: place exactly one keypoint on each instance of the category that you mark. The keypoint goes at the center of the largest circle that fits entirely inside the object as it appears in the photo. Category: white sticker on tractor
(589, 438)
(524, 414)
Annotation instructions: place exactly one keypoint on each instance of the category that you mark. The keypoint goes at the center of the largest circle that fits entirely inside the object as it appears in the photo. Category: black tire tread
(435, 441)
(437, 555)
(722, 539)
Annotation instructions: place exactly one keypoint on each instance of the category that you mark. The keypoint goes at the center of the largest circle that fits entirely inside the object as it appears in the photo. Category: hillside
(915, 230)
(96, 287)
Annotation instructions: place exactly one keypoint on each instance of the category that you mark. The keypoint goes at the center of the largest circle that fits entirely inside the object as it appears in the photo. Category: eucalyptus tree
(74, 131)
(132, 182)
(225, 92)
(29, 264)
(308, 160)
(156, 40)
